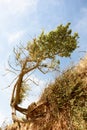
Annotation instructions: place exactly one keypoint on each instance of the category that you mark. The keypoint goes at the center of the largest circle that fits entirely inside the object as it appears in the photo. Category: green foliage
(69, 93)
(59, 42)
(23, 92)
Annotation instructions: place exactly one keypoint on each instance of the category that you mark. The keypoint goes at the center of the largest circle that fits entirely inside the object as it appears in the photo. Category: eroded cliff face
(63, 104)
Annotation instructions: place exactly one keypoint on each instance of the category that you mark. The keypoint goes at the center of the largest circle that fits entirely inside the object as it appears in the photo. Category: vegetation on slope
(66, 100)
(69, 94)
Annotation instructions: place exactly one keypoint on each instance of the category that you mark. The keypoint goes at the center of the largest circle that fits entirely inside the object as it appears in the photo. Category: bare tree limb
(11, 71)
(12, 67)
(21, 110)
(33, 81)
(30, 69)
(43, 71)
(26, 79)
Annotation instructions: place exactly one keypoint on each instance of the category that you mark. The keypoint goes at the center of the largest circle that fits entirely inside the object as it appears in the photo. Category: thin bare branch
(83, 51)
(11, 71)
(12, 67)
(5, 88)
(13, 80)
(23, 49)
(10, 83)
(29, 75)
(21, 110)
(33, 81)
(30, 69)
(43, 71)
(5, 74)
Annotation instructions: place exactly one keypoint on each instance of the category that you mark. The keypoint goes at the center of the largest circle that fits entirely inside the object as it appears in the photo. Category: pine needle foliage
(57, 42)
(60, 42)
(23, 92)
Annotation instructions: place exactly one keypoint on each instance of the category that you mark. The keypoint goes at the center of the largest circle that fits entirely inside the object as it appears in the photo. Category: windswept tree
(42, 53)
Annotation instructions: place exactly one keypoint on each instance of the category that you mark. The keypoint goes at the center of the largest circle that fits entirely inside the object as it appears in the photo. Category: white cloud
(82, 22)
(81, 28)
(18, 6)
(12, 38)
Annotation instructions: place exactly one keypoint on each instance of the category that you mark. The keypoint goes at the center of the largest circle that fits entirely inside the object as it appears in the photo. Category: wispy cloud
(81, 28)
(18, 6)
(12, 18)
(12, 38)
(82, 22)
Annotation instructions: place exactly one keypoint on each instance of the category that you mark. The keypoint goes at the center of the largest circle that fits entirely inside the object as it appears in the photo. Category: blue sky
(22, 20)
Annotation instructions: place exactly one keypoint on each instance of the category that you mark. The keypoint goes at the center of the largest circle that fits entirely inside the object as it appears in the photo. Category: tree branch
(30, 69)
(21, 110)
(43, 71)
(12, 67)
